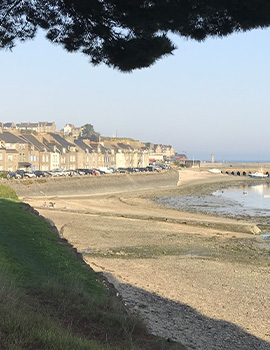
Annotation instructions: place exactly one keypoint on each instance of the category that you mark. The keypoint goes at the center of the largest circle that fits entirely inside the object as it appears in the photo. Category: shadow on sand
(181, 322)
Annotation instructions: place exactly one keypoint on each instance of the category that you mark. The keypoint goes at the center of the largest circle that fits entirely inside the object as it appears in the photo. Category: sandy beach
(198, 279)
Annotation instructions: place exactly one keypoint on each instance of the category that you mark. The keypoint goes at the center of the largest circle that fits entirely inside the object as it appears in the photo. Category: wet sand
(195, 278)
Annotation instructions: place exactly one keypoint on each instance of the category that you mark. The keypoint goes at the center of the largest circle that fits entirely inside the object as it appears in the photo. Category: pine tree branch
(15, 4)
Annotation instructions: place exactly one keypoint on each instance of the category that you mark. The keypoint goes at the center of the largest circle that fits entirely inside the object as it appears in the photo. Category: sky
(210, 97)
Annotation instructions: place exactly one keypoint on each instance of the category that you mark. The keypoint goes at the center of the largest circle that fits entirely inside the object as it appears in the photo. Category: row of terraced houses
(47, 149)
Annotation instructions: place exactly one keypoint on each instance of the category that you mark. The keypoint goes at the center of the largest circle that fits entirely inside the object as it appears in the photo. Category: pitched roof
(52, 146)
(124, 146)
(31, 139)
(27, 125)
(98, 148)
(109, 146)
(8, 137)
(63, 142)
(9, 125)
(83, 145)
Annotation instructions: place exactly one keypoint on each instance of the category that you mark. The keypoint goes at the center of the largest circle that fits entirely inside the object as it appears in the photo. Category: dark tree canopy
(88, 132)
(127, 34)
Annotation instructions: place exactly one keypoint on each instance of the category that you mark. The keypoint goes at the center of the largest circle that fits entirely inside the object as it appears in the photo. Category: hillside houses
(40, 127)
(159, 152)
(52, 150)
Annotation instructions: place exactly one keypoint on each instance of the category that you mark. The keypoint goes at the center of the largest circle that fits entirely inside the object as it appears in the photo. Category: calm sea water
(250, 201)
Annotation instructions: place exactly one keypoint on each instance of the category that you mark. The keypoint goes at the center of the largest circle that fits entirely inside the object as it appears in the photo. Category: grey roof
(124, 146)
(110, 147)
(52, 145)
(26, 125)
(181, 155)
(8, 125)
(63, 142)
(31, 139)
(8, 137)
(96, 147)
(83, 145)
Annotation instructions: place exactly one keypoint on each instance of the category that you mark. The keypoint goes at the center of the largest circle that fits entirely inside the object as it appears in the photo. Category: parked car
(122, 170)
(29, 174)
(88, 171)
(20, 172)
(80, 171)
(14, 175)
(56, 172)
(39, 173)
(105, 170)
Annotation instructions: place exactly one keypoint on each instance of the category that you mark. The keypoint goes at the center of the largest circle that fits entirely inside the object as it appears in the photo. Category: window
(9, 158)
(1, 156)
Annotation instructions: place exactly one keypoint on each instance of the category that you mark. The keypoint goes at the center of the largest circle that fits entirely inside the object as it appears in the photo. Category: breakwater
(237, 169)
(83, 185)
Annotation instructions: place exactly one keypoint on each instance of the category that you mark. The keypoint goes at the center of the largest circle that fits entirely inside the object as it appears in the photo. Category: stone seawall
(84, 185)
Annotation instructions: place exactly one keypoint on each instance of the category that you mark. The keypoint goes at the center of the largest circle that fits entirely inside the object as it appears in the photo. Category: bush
(3, 175)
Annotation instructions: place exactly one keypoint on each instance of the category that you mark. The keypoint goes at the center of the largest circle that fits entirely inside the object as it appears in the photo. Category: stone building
(17, 152)
(40, 127)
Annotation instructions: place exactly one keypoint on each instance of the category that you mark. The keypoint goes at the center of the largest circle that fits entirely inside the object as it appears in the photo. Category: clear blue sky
(211, 97)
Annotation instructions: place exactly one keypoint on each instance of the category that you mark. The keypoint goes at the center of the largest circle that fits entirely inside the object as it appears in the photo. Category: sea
(248, 202)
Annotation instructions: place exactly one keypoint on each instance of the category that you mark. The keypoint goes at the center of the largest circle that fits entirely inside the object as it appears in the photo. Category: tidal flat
(191, 277)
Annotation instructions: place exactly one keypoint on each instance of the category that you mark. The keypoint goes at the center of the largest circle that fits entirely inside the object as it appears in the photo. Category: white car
(105, 170)
(29, 174)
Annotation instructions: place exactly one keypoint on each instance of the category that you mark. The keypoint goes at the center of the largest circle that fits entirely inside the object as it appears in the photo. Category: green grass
(50, 299)
(7, 192)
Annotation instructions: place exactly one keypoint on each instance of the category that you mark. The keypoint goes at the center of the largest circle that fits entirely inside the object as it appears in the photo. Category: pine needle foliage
(127, 34)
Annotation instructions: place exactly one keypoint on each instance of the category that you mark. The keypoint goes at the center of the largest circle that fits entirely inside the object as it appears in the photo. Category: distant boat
(259, 175)
(215, 171)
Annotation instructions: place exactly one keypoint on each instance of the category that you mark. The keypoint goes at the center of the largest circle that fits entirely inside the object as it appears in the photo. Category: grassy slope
(49, 299)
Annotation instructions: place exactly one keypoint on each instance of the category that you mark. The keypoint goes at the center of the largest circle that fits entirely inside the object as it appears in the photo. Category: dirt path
(201, 280)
